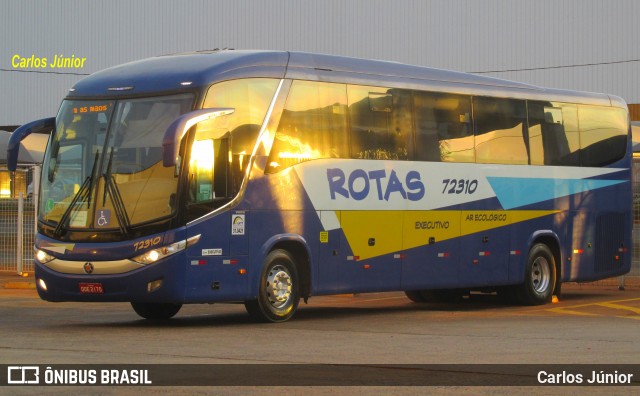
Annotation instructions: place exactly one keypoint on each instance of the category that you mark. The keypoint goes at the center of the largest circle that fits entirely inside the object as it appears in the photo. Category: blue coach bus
(264, 177)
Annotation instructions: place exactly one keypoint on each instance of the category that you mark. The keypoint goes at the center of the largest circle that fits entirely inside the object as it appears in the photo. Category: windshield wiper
(111, 188)
(83, 193)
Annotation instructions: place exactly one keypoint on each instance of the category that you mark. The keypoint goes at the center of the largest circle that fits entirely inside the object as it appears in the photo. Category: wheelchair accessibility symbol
(103, 218)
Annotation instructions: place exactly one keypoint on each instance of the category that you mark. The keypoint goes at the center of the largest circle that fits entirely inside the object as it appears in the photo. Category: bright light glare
(241, 158)
(202, 154)
(296, 156)
(154, 255)
(43, 256)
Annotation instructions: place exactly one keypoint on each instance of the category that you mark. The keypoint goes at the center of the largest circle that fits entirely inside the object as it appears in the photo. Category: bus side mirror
(45, 126)
(179, 127)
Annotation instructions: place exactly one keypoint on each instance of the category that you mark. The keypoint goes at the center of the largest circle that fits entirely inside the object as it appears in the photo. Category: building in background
(588, 45)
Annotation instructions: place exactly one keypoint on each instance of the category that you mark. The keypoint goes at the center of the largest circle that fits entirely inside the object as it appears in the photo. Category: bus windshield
(103, 168)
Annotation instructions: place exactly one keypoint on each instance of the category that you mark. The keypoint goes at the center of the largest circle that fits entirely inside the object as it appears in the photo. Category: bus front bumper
(159, 282)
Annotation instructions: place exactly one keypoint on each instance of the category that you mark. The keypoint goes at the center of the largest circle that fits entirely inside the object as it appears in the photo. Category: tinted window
(381, 126)
(553, 134)
(500, 130)
(443, 127)
(603, 134)
(250, 98)
(313, 125)
(222, 146)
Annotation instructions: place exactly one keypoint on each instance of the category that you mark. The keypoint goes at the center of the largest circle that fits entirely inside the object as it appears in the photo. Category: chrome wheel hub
(540, 275)
(278, 287)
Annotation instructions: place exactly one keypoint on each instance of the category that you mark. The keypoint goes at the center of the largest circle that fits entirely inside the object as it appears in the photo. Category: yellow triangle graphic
(375, 233)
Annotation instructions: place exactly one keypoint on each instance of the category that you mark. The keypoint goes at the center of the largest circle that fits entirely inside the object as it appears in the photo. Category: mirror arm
(44, 126)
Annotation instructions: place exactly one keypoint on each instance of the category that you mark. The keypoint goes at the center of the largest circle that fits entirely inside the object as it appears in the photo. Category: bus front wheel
(156, 311)
(540, 277)
(278, 294)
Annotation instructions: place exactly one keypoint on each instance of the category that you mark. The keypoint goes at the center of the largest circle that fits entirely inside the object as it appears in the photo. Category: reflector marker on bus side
(578, 251)
(443, 255)
(484, 254)
(399, 256)
(515, 252)
(232, 262)
(353, 258)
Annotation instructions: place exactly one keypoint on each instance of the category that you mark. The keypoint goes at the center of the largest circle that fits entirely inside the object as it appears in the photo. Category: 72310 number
(459, 186)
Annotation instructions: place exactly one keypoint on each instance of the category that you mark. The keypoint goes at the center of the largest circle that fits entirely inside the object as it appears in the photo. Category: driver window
(209, 168)
(222, 146)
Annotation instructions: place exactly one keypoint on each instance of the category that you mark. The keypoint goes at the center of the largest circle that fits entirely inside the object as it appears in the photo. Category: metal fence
(10, 241)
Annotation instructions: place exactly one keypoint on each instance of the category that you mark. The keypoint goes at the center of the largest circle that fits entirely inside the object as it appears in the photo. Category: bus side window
(381, 126)
(250, 98)
(553, 138)
(443, 127)
(603, 134)
(313, 125)
(500, 126)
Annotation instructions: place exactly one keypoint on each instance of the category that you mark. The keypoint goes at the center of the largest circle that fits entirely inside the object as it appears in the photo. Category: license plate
(91, 288)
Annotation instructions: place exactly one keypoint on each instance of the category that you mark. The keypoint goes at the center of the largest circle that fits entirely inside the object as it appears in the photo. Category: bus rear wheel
(278, 294)
(539, 277)
(156, 311)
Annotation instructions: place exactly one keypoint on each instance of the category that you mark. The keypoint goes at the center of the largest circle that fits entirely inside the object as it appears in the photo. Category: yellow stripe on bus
(375, 233)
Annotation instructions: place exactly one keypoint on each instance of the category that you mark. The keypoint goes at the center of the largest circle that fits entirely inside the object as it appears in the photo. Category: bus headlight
(43, 257)
(154, 255)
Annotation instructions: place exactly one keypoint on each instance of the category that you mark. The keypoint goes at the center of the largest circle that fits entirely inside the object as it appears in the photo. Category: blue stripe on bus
(517, 192)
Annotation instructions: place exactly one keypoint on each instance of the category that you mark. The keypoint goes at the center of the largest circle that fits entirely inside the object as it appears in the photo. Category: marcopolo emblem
(88, 267)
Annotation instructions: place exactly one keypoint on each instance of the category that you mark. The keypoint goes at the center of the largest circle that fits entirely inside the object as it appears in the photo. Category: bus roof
(196, 70)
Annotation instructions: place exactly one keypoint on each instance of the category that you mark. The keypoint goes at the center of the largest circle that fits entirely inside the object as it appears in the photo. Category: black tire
(539, 277)
(279, 291)
(156, 311)
(415, 296)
